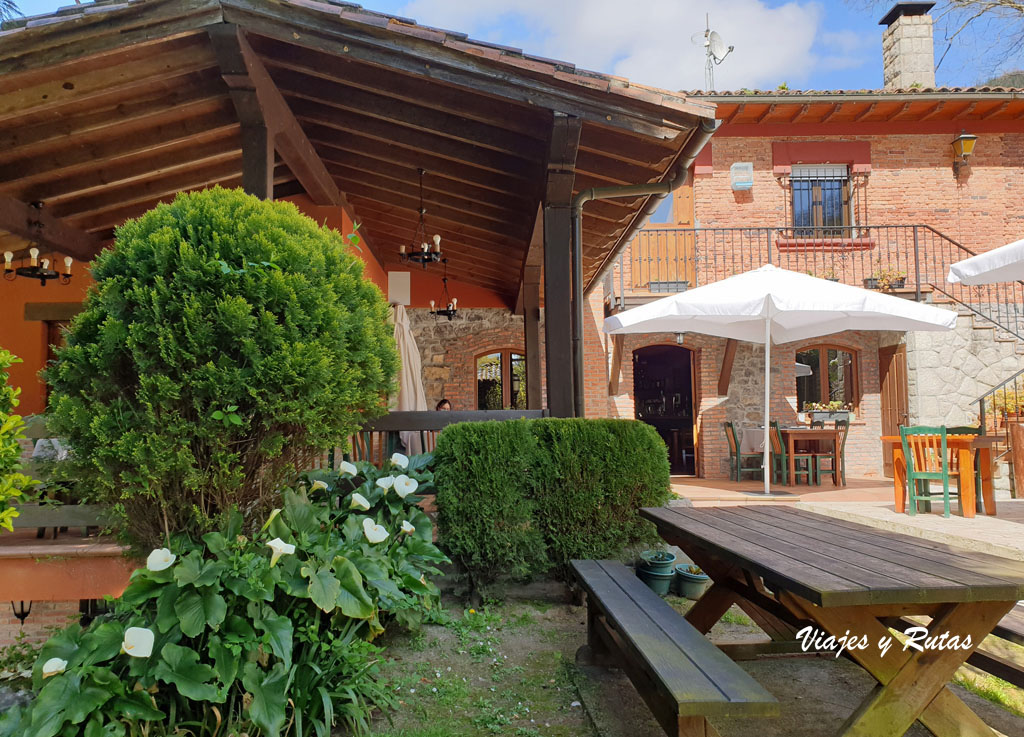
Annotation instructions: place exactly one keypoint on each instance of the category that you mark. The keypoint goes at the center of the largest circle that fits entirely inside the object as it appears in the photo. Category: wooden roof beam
(865, 112)
(965, 112)
(994, 111)
(935, 110)
(828, 116)
(259, 102)
(46, 230)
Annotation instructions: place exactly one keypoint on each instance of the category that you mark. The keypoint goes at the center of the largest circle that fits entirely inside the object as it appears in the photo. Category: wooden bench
(681, 675)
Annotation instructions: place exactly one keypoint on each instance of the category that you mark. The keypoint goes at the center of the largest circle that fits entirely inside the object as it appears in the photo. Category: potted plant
(830, 274)
(1008, 406)
(690, 581)
(828, 411)
(656, 571)
(886, 278)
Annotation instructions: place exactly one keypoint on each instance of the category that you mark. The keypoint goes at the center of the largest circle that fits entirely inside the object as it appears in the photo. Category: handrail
(413, 421)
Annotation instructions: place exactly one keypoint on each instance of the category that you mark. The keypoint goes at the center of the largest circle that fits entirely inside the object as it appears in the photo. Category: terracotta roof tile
(836, 93)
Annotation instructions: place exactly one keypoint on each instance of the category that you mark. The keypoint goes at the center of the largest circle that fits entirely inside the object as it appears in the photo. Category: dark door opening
(663, 397)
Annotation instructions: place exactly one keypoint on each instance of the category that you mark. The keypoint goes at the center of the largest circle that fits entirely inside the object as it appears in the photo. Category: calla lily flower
(404, 486)
(385, 482)
(374, 533)
(138, 642)
(160, 560)
(400, 460)
(348, 468)
(359, 502)
(54, 667)
(280, 547)
(318, 485)
(407, 528)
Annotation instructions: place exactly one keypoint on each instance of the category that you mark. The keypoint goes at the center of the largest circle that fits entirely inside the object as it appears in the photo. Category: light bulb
(67, 264)
(401, 249)
(8, 258)
(455, 302)
(437, 243)
(34, 254)
(46, 264)
(425, 247)
(431, 305)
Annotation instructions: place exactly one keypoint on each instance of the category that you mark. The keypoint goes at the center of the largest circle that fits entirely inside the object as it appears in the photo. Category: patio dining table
(966, 447)
(789, 568)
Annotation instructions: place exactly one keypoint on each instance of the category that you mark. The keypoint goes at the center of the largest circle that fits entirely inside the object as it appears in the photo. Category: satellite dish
(717, 47)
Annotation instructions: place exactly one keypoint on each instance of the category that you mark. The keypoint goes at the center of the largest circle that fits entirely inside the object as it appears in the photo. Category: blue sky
(823, 44)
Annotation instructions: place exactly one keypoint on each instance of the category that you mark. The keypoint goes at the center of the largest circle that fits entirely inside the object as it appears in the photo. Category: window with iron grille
(823, 201)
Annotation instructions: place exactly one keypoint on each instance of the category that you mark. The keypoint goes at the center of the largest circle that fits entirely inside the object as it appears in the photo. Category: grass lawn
(504, 669)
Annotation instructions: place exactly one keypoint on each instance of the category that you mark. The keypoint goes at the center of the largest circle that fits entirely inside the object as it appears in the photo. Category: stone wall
(948, 371)
(448, 349)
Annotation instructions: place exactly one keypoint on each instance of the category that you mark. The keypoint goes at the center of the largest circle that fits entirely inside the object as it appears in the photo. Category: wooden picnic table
(965, 447)
(787, 568)
(791, 435)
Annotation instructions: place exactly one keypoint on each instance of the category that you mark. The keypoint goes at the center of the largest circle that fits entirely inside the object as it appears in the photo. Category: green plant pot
(657, 561)
(660, 582)
(690, 585)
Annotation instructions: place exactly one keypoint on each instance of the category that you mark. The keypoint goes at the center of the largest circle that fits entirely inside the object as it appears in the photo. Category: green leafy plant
(518, 498)
(13, 483)
(226, 341)
(232, 634)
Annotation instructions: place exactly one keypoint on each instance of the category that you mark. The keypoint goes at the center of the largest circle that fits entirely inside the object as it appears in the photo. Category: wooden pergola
(107, 109)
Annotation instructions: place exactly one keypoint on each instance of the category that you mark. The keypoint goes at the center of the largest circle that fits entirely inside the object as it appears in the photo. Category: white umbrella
(411, 395)
(771, 305)
(1002, 264)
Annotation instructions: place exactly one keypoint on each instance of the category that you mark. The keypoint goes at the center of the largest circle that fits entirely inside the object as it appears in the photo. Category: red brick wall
(45, 616)
(595, 357)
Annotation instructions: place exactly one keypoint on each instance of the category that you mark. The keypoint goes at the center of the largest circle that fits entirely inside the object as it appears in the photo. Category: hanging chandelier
(422, 250)
(36, 268)
(449, 304)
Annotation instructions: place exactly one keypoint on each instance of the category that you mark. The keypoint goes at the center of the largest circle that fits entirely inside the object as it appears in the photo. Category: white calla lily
(400, 460)
(359, 502)
(349, 468)
(404, 486)
(374, 533)
(280, 547)
(407, 528)
(318, 485)
(54, 667)
(160, 560)
(138, 642)
(385, 482)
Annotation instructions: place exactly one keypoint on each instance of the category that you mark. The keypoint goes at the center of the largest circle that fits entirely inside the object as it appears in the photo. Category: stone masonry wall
(948, 371)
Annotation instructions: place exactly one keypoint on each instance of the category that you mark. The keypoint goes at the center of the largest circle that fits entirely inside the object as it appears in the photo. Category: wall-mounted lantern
(963, 147)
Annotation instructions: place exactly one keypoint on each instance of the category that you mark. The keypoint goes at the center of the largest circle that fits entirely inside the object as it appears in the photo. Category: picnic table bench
(681, 675)
(787, 567)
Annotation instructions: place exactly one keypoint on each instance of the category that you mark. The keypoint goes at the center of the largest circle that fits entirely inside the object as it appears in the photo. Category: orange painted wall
(27, 340)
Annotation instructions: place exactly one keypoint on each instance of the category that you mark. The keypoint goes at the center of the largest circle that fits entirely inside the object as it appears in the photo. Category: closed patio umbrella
(771, 305)
(411, 395)
(1005, 263)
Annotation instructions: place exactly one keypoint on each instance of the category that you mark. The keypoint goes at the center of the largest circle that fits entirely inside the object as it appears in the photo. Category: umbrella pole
(767, 398)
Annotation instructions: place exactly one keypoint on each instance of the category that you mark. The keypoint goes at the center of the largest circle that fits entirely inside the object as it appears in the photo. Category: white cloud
(650, 41)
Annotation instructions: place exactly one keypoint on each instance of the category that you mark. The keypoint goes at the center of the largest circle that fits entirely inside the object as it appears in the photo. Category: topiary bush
(226, 339)
(521, 497)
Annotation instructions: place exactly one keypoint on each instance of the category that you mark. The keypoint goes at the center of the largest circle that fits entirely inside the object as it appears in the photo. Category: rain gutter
(698, 139)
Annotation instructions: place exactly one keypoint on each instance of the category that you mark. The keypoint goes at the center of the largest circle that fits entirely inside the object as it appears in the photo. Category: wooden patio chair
(833, 459)
(372, 446)
(736, 458)
(803, 463)
(927, 458)
(954, 461)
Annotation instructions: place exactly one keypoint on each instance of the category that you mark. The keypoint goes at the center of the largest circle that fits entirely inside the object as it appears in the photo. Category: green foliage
(267, 635)
(13, 483)
(516, 498)
(226, 339)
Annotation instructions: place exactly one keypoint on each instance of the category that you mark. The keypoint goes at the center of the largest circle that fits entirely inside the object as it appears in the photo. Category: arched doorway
(663, 397)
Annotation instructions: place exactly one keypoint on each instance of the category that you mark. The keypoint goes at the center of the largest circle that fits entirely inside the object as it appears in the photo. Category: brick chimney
(908, 55)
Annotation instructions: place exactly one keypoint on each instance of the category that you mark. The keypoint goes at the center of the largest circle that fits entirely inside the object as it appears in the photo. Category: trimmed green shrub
(517, 498)
(485, 506)
(13, 483)
(225, 341)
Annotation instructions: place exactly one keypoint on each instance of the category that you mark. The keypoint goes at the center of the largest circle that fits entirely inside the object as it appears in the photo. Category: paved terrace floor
(870, 502)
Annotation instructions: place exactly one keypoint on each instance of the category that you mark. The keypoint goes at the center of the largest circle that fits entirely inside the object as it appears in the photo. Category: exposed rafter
(18, 218)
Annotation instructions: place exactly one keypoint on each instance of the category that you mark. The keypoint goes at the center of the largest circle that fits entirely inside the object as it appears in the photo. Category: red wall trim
(786, 153)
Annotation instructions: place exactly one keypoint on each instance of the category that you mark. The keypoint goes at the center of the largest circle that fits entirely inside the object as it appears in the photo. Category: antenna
(715, 52)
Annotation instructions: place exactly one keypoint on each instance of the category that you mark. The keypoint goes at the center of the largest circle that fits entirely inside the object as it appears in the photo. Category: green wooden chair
(736, 458)
(927, 459)
(803, 463)
(831, 463)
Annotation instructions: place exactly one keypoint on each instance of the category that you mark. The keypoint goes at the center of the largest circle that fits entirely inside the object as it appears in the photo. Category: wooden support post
(531, 329)
(561, 176)
(725, 375)
(257, 160)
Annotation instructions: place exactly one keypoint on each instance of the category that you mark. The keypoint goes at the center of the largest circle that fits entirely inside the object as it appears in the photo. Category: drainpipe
(693, 147)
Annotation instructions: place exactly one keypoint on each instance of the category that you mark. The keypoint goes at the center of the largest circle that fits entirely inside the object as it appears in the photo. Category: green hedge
(518, 498)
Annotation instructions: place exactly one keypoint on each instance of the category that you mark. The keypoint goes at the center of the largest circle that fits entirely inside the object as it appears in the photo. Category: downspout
(693, 147)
